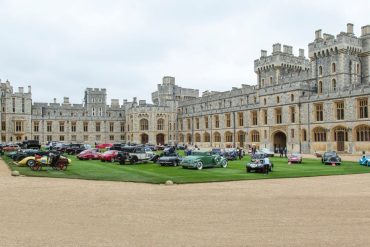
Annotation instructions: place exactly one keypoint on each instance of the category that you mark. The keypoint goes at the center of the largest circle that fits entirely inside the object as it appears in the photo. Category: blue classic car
(200, 159)
(365, 160)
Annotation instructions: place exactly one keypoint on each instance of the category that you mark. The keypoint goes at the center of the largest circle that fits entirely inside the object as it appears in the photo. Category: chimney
(263, 53)
(301, 52)
(276, 48)
(365, 30)
(20, 89)
(318, 34)
(125, 101)
(55, 100)
(288, 49)
(65, 100)
(29, 89)
(349, 28)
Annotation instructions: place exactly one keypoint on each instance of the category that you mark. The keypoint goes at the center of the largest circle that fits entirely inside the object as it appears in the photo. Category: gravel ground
(319, 211)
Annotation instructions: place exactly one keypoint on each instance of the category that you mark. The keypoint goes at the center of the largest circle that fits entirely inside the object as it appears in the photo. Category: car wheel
(224, 164)
(199, 165)
(368, 163)
(113, 160)
(174, 163)
(248, 170)
(31, 163)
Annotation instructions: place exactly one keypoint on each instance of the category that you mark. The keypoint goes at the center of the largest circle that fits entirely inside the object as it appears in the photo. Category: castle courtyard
(317, 211)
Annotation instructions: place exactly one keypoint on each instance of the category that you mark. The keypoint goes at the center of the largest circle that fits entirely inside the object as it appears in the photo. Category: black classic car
(331, 157)
(75, 148)
(172, 159)
(257, 165)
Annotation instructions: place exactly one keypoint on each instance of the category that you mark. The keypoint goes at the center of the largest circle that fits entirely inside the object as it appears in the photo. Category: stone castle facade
(305, 104)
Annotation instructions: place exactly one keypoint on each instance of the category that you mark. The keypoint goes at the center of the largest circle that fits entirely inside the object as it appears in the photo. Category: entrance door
(340, 141)
(160, 139)
(144, 139)
(279, 141)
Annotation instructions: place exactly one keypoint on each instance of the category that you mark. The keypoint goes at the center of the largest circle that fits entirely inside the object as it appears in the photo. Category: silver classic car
(200, 159)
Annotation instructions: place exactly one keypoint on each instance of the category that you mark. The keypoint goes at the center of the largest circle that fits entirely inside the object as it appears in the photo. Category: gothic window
(292, 97)
(278, 116)
(86, 126)
(241, 119)
(363, 108)
(278, 99)
(255, 136)
(228, 120)
(160, 124)
(144, 124)
(334, 85)
(320, 71)
(111, 127)
(333, 68)
(197, 123)
(319, 134)
(217, 121)
(319, 90)
(363, 133)
(265, 117)
(304, 135)
(340, 110)
(97, 126)
(217, 137)
(319, 112)
(36, 126)
(73, 126)
(206, 122)
(228, 137)
(254, 118)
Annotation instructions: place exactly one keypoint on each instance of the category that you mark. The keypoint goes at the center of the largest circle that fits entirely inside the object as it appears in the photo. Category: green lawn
(154, 173)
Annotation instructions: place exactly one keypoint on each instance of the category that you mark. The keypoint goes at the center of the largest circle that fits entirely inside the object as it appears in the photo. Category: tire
(248, 170)
(102, 160)
(174, 163)
(133, 160)
(199, 165)
(224, 164)
(31, 163)
(112, 160)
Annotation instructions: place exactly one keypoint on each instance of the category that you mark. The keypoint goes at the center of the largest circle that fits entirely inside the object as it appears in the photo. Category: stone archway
(279, 140)
(160, 139)
(144, 138)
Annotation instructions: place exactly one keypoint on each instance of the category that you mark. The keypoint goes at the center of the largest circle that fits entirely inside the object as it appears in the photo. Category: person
(266, 164)
(281, 151)
(285, 152)
(240, 153)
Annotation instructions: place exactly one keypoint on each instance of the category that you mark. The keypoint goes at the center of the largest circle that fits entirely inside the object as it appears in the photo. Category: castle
(315, 104)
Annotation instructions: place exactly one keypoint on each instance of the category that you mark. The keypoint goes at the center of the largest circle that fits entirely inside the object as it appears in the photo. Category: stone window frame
(319, 112)
(278, 115)
(339, 110)
(362, 108)
(363, 133)
(228, 136)
(319, 134)
(255, 136)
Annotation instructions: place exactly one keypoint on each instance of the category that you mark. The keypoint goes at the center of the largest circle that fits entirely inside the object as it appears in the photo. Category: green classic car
(200, 159)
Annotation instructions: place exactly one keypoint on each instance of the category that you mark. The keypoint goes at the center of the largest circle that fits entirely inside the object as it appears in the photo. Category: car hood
(192, 158)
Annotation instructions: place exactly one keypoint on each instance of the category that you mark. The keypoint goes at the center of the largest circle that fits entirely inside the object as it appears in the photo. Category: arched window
(263, 82)
(319, 134)
(197, 137)
(340, 130)
(264, 101)
(228, 137)
(255, 136)
(207, 137)
(333, 68)
(160, 124)
(334, 85)
(319, 90)
(358, 69)
(144, 124)
(181, 138)
(217, 137)
(320, 71)
(363, 133)
(292, 97)
(188, 138)
(271, 80)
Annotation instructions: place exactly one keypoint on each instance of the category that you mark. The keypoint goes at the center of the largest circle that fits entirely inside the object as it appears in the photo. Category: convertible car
(200, 159)
(30, 159)
(258, 166)
(295, 158)
(331, 158)
(169, 159)
(365, 160)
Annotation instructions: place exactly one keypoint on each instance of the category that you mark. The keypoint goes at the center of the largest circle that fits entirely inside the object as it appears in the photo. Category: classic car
(331, 157)
(199, 159)
(258, 166)
(19, 155)
(104, 145)
(11, 147)
(28, 161)
(110, 155)
(137, 153)
(267, 151)
(295, 158)
(365, 160)
(169, 159)
(217, 151)
(89, 154)
(230, 153)
(258, 156)
(75, 148)
(31, 144)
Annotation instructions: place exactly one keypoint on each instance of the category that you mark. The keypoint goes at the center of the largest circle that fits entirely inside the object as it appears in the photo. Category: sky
(61, 48)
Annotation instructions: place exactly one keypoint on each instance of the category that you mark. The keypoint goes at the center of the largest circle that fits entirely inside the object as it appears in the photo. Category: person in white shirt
(266, 164)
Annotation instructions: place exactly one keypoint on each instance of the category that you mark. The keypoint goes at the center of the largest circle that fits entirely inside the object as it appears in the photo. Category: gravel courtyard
(318, 211)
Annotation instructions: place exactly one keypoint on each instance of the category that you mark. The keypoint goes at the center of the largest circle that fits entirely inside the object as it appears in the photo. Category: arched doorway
(160, 139)
(144, 138)
(279, 140)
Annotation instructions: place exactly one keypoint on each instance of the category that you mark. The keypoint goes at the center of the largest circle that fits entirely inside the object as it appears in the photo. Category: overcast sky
(62, 47)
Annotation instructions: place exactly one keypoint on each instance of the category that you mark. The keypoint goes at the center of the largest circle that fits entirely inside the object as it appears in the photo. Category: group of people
(283, 151)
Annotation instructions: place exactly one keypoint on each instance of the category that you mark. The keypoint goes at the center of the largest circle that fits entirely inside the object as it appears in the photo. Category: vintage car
(268, 152)
(11, 147)
(89, 154)
(230, 153)
(199, 159)
(169, 159)
(110, 155)
(23, 153)
(365, 160)
(136, 154)
(258, 166)
(331, 157)
(30, 160)
(258, 156)
(295, 158)
(103, 145)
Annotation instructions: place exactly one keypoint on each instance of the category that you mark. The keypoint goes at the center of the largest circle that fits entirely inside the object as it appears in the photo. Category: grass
(154, 173)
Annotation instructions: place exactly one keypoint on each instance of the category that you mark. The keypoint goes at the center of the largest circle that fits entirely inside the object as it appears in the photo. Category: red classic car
(89, 154)
(110, 155)
(104, 145)
(295, 158)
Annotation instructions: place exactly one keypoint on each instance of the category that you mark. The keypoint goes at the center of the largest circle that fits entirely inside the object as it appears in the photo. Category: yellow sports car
(44, 160)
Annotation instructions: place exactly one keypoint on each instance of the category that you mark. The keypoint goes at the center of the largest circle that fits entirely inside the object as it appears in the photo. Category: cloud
(63, 47)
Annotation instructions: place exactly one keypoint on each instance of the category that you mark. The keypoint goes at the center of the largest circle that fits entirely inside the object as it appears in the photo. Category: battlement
(326, 44)
(281, 58)
(96, 90)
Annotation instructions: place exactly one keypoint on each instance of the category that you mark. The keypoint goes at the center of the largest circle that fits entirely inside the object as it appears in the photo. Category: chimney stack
(55, 100)
(301, 52)
(66, 100)
(20, 89)
(263, 53)
(318, 34)
(349, 28)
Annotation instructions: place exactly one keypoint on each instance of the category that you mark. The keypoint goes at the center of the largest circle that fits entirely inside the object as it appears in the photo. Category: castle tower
(365, 54)
(275, 68)
(96, 101)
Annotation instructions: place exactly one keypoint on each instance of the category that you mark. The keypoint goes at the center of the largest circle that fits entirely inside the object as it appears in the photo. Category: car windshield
(109, 152)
